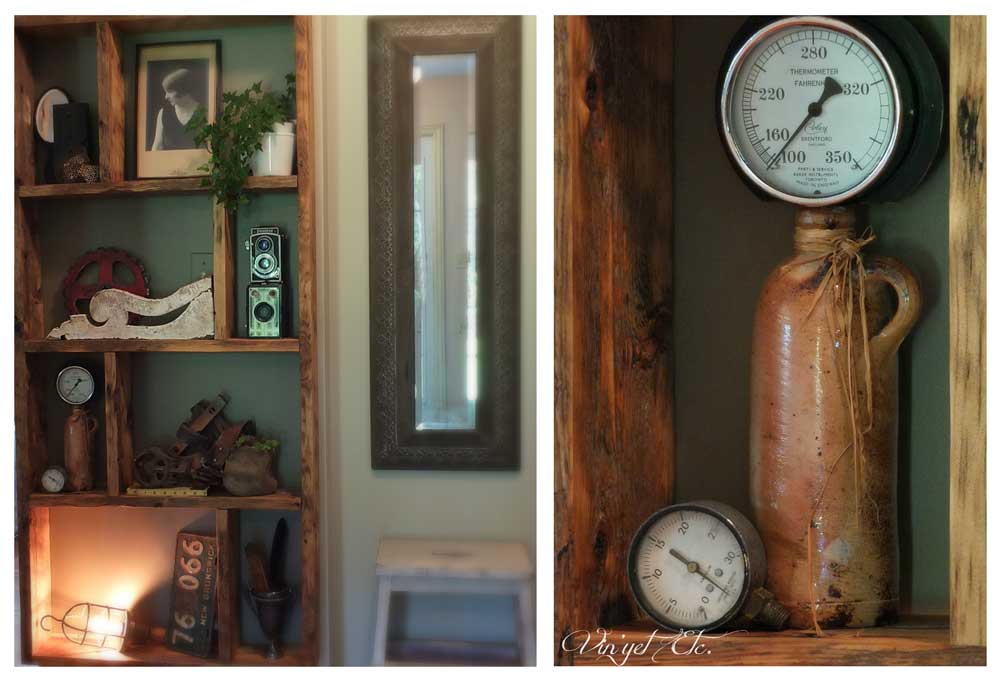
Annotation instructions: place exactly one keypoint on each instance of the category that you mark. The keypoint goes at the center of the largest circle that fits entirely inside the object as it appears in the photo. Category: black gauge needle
(693, 566)
(830, 88)
(70, 392)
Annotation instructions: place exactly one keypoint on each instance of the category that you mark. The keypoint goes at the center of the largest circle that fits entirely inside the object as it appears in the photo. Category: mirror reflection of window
(444, 241)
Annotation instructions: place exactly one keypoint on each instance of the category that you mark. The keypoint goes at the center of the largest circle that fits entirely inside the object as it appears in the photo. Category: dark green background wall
(726, 242)
(172, 236)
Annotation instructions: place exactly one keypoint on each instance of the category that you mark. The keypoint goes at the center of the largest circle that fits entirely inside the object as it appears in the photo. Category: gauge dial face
(75, 385)
(53, 480)
(810, 110)
(688, 569)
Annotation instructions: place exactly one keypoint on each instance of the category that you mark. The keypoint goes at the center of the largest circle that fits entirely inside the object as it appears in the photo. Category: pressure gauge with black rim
(700, 566)
(818, 111)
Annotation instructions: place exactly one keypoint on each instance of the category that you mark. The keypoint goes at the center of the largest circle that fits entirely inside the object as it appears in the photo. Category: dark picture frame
(179, 162)
(494, 442)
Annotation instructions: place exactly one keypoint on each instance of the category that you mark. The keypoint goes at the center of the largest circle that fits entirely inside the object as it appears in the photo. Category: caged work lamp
(91, 624)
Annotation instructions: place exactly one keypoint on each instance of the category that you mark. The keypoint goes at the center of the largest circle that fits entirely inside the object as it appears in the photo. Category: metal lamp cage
(91, 624)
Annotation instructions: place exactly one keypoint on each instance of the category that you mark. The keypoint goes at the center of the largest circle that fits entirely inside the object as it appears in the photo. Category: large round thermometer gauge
(700, 565)
(75, 385)
(812, 109)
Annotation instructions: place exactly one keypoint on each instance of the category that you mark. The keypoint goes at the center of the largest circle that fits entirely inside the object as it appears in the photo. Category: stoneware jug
(823, 467)
(78, 449)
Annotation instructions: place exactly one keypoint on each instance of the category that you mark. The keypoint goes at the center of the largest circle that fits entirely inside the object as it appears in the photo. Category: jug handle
(887, 341)
(91, 424)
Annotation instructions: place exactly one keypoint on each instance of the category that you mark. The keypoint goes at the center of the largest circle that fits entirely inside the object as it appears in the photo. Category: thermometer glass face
(75, 385)
(810, 110)
(689, 569)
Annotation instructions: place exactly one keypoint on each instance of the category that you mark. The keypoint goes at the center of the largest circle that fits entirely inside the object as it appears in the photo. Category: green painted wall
(726, 242)
(169, 235)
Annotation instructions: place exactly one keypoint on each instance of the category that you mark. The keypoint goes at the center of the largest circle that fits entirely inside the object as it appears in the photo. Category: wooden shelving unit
(615, 370)
(32, 507)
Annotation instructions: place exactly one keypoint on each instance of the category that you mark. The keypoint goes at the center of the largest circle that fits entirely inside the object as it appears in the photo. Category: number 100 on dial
(810, 110)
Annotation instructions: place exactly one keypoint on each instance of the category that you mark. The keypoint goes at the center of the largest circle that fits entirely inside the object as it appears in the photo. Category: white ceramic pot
(276, 152)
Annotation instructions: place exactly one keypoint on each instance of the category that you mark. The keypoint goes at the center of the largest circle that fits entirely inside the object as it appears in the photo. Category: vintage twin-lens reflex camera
(265, 294)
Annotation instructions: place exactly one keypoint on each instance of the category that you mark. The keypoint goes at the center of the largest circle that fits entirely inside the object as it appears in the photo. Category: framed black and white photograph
(173, 80)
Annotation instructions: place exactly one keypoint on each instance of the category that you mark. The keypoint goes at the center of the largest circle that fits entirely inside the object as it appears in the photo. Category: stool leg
(381, 621)
(526, 624)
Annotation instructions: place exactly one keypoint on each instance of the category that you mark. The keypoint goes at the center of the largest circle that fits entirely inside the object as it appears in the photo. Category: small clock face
(54, 480)
(75, 385)
(43, 113)
(811, 110)
(688, 568)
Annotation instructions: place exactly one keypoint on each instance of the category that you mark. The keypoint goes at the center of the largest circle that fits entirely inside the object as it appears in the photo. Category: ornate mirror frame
(392, 43)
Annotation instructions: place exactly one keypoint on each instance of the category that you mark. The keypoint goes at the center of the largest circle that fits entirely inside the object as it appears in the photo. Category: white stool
(465, 567)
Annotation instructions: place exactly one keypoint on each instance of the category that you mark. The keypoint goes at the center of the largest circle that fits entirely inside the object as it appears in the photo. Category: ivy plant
(260, 444)
(235, 135)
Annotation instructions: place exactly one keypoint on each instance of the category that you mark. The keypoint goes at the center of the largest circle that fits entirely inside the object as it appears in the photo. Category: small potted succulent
(249, 468)
(236, 140)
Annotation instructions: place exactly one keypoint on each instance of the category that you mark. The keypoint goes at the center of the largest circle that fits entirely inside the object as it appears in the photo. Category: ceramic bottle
(825, 508)
(78, 449)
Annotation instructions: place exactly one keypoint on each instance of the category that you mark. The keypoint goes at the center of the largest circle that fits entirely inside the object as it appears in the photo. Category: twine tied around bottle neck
(842, 291)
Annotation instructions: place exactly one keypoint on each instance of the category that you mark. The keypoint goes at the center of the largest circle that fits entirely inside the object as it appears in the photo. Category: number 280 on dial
(810, 110)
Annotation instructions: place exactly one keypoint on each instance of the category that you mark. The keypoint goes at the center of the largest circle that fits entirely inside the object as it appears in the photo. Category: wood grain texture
(180, 186)
(967, 303)
(223, 271)
(614, 414)
(148, 345)
(901, 645)
(40, 571)
(61, 26)
(309, 443)
(227, 533)
(281, 500)
(110, 103)
(118, 420)
(24, 114)
(61, 653)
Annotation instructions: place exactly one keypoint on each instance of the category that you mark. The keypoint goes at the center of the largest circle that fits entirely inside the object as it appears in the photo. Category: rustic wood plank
(901, 645)
(310, 589)
(24, 115)
(281, 500)
(39, 569)
(223, 271)
(118, 420)
(967, 303)
(180, 186)
(149, 345)
(62, 653)
(614, 413)
(227, 533)
(59, 26)
(110, 103)
(29, 321)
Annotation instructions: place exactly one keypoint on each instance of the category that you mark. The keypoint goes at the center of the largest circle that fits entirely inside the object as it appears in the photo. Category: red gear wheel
(77, 294)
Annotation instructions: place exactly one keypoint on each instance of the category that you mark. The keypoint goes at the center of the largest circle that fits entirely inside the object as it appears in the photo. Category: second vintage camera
(265, 294)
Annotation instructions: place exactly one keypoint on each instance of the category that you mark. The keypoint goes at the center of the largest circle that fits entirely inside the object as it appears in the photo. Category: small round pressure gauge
(75, 385)
(700, 566)
(813, 110)
(54, 479)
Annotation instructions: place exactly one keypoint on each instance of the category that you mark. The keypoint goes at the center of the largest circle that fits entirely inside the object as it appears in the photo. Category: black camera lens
(264, 243)
(263, 312)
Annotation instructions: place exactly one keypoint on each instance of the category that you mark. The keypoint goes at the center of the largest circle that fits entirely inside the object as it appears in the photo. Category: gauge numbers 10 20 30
(810, 110)
(688, 569)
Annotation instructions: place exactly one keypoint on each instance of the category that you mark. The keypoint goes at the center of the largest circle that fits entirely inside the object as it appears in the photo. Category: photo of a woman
(182, 98)
(173, 81)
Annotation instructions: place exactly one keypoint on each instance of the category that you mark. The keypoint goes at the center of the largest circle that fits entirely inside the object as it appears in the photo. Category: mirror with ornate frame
(444, 221)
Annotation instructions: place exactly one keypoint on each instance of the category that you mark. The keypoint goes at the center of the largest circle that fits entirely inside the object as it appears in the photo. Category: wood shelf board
(924, 641)
(201, 345)
(280, 500)
(51, 26)
(54, 652)
(165, 187)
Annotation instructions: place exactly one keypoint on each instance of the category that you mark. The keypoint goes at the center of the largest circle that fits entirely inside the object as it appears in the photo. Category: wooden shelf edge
(55, 653)
(435, 653)
(200, 345)
(165, 187)
(906, 644)
(280, 500)
(55, 25)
